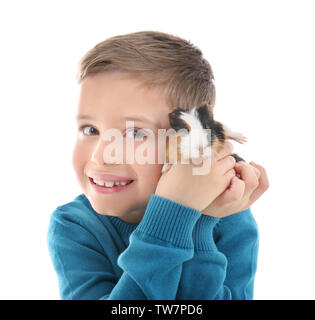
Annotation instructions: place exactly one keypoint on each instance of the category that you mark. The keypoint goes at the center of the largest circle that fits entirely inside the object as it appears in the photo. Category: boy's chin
(115, 209)
(104, 209)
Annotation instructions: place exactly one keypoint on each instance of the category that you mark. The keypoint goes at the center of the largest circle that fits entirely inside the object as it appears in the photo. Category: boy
(134, 234)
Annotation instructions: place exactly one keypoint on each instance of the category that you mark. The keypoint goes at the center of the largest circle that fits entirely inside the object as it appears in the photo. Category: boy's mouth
(110, 184)
(110, 187)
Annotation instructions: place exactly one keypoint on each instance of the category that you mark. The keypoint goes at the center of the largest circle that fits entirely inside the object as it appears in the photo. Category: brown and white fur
(194, 141)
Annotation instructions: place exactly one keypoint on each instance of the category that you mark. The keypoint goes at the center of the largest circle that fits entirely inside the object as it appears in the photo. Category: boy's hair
(160, 60)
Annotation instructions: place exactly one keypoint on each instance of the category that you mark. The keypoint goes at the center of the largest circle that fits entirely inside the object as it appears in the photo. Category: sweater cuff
(235, 217)
(203, 233)
(169, 221)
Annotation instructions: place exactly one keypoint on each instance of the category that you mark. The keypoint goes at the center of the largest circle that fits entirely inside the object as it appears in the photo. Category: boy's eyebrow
(140, 119)
(81, 116)
(134, 118)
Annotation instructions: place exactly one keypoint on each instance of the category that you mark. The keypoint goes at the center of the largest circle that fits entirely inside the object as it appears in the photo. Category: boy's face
(108, 99)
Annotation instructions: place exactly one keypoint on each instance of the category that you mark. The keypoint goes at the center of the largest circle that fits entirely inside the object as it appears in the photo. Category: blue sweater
(174, 253)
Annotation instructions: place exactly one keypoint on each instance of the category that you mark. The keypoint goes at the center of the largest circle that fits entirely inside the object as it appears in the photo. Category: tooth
(109, 183)
(101, 183)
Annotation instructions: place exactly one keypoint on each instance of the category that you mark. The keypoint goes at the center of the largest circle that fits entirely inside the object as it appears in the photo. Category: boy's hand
(198, 191)
(242, 193)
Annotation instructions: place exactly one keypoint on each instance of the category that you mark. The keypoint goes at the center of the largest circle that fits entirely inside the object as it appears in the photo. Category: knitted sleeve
(225, 259)
(171, 255)
(151, 264)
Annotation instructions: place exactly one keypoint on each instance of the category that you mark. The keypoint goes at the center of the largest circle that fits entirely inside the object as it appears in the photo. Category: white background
(262, 54)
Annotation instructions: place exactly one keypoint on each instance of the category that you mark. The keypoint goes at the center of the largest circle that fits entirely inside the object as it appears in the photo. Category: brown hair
(159, 59)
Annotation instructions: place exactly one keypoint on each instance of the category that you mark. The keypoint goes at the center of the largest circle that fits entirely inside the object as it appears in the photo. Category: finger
(234, 193)
(263, 179)
(247, 173)
(263, 183)
(230, 174)
(227, 178)
(257, 172)
(226, 163)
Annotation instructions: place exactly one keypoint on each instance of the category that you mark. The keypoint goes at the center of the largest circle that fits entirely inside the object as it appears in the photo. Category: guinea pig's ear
(175, 121)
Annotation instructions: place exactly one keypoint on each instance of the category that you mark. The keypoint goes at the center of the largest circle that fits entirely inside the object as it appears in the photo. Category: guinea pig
(191, 140)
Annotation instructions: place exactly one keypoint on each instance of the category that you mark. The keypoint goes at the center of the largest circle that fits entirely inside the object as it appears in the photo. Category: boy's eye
(133, 133)
(88, 130)
(136, 134)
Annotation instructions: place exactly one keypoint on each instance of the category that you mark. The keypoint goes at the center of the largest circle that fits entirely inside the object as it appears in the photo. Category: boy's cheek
(79, 160)
(149, 174)
(75, 158)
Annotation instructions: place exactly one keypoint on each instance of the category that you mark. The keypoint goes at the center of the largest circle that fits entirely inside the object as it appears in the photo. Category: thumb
(234, 192)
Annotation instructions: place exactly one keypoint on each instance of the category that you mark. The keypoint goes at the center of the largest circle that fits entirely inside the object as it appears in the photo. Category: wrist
(203, 233)
(238, 215)
(169, 221)
(177, 199)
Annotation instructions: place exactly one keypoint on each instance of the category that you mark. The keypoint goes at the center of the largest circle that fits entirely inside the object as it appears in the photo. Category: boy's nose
(108, 152)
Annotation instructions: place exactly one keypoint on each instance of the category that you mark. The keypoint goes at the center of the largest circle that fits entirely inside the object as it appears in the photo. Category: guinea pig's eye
(135, 134)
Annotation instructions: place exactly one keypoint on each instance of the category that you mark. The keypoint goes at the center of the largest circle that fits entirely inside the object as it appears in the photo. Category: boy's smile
(106, 101)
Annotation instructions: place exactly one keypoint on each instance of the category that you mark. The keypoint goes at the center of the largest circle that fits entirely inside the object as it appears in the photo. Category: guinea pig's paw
(237, 136)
